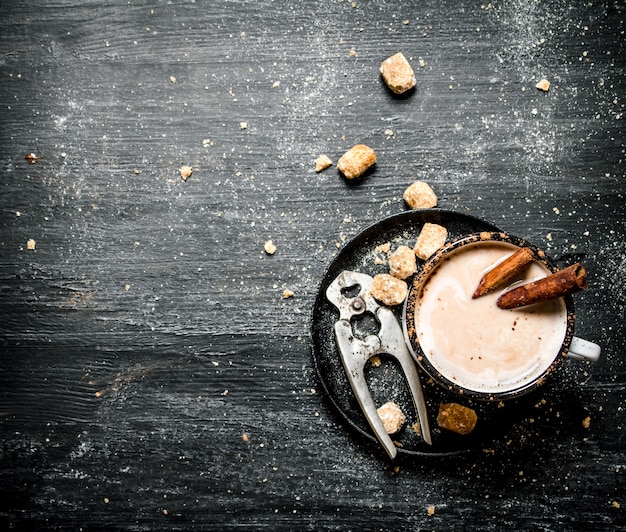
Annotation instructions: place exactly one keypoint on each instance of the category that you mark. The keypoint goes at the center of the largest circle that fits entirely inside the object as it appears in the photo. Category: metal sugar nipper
(356, 352)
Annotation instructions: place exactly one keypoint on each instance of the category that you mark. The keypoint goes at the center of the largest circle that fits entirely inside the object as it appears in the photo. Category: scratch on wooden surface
(124, 379)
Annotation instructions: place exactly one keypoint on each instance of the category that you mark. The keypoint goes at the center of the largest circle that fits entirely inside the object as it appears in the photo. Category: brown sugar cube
(389, 290)
(356, 161)
(456, 418)
(322, 162)
(398, 73)
(402, 262)
(430, 239)
(392, 417)
(420, 195)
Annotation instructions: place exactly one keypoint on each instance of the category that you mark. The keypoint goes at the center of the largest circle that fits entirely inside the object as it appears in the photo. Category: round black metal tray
(386, 381)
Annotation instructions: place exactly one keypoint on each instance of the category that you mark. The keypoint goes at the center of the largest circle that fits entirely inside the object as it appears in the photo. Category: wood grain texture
(147, 332)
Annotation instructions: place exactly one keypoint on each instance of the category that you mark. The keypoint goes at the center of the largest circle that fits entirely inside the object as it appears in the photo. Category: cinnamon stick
(504, 272)
(562, 283)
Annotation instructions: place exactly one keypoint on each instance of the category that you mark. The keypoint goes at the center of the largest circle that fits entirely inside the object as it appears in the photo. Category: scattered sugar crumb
(381, 253)
(287, 293)
(431, 510)
(185, 172)
(243, 125)
(543, 85)
(615, 504)
(172, 79)
(322, 162)
(245, 437)
(587, 422)
(352, 52)
(269, 247)
(127, 287)
(31, 244)
(375, 361)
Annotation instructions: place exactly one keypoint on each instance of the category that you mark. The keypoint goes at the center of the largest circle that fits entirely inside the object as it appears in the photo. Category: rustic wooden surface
(146, 333)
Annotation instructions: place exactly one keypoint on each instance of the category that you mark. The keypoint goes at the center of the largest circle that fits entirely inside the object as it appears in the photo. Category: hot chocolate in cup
(470, 345)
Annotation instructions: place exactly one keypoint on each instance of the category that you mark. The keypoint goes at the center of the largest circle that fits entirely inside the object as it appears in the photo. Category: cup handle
(580, 349)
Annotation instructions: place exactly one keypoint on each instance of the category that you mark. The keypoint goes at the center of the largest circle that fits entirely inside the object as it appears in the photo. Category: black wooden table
(153, 376)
